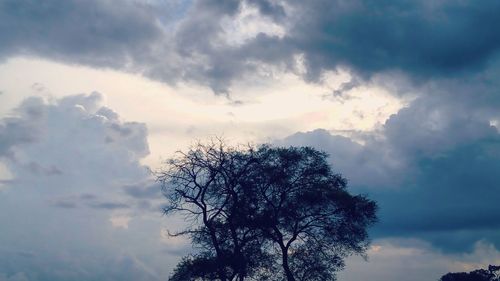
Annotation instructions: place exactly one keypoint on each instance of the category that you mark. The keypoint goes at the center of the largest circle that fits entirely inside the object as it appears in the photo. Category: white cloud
(120, 221)
(66, 196)
(176, 115)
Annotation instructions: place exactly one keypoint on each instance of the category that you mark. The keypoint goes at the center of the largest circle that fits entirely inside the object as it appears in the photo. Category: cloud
(174, 41)
(69, 159)
(120, 221)
(92, 32)
(87, 200)
(431, 168)
(415, 260)
(106, 144)
(423, 39)
(363, 165)
(67, 267)
(76, 165)
(164, 41)
(20, 276)
(437, 124)
(13, 131)
(146, 190)
(109, 205)
(64, 204)
(131, 268)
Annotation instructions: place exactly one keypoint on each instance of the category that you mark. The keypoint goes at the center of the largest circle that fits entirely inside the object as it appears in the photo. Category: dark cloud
(452, 201)
(87, 196)
(108, 205)
(38, 169)
(371, 165)
(88, 200)
(100, 33)
(434, 124)
(271, 8)
(432, 169)
(346, 86)
(422, 38)
(132, 36)
(14, 131)
(146, 190)
(65, 204)
(168, 42)
(18, 276)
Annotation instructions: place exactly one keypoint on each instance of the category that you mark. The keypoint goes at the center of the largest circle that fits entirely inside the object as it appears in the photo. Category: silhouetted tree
(307, 212)
(195, 268)
(264, 213)
(490, 274)
(205, 184)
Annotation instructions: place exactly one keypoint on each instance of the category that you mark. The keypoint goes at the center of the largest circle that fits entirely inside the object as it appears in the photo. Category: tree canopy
(264, 213)
(490, 274)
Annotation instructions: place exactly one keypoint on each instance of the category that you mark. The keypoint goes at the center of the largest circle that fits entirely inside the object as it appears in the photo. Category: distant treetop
(490, 274)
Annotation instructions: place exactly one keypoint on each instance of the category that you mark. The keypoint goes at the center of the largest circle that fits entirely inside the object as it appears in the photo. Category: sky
(94, 95)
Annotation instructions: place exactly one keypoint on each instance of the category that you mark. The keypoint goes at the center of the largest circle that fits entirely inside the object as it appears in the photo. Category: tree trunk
(220, 261)
(286, 268)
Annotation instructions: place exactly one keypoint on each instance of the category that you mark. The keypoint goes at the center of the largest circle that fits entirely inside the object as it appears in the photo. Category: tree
(308, 213)
(195, 268)
(204, 184)
(265, 213)
(490, 274)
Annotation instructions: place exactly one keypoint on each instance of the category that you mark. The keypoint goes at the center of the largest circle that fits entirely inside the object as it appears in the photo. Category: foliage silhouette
(264, 213)
(490, 274)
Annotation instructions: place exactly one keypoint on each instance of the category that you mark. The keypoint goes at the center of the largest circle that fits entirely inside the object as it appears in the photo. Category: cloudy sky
(403, 95)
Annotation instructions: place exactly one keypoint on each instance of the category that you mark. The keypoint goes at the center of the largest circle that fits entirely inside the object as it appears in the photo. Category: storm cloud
(198, 40)
(432, 169)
